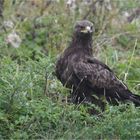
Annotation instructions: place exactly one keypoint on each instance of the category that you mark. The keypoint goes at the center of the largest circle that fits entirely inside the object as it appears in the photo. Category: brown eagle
(88, 78)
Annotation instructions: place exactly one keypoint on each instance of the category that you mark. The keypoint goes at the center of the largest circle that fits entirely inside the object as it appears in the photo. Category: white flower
(70, 3)
(8, 24)
(13, 39)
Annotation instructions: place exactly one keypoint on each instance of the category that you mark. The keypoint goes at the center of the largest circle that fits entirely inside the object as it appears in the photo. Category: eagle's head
(84, 28)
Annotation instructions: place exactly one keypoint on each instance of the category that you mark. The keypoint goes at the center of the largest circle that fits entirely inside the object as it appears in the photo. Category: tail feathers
(135, 99)
(129, 96)
(123, 96)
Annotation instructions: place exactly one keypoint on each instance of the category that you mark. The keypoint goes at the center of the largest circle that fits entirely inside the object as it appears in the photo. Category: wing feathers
(95, 73)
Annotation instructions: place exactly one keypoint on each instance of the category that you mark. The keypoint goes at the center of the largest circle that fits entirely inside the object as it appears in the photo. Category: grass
(29, 111)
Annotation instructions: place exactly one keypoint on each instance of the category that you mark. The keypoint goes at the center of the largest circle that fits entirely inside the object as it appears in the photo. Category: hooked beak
(87, 30)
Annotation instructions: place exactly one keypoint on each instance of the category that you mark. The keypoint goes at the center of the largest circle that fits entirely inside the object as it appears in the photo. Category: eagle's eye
(82, 27)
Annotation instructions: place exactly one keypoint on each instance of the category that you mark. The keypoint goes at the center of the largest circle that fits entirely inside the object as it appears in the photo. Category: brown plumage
(88, 78)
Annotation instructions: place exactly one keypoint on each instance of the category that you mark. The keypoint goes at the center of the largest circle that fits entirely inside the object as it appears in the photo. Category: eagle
(90, 80)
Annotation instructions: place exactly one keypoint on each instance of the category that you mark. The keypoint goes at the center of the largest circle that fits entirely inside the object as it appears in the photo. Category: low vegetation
(33, 103)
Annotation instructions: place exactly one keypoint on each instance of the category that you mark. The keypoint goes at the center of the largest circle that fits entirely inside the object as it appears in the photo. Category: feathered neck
(82, 41)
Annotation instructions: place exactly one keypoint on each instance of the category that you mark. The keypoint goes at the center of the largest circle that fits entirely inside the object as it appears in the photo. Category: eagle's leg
(95, 105)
